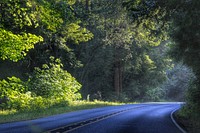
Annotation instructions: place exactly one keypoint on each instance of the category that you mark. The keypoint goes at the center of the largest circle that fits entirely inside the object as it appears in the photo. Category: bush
(53, 82)
(19, 98)
(46, 87)
(12, 88)
(192, 108)
(113, 97)
(155, 94)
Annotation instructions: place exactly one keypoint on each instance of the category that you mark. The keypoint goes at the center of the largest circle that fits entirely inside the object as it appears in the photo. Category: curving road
(130, 118)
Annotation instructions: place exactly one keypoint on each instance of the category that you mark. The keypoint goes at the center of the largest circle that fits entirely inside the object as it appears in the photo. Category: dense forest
(57, 51)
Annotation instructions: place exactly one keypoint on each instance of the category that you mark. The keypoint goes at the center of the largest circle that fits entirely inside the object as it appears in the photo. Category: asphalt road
(131, 118)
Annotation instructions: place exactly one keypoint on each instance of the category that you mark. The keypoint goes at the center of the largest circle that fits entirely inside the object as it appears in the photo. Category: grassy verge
(13, 115)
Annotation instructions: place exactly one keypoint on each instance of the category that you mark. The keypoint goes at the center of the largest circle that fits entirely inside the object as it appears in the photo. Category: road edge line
(174, 121)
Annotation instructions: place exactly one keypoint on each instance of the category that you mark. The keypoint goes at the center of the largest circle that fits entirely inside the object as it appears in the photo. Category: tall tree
(25, 23)
(119, 56)
(52, 25)
(185, 34)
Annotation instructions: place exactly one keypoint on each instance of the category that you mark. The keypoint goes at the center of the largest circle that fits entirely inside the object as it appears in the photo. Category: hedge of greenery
(47, 86)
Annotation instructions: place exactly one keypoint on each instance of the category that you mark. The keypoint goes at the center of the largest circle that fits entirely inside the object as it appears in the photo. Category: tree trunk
(87, 5)
(116, 81)
(118, 78)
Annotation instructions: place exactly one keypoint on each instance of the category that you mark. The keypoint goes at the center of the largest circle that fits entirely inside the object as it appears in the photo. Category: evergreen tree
(119, 60)
(185, 33)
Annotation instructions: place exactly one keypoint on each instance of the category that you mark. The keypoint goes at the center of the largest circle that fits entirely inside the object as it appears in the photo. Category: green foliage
(15, 46)
(193, 105)
(125, 44)
(23, 22)
(54, 25)
(49, 17)
(127, 54)
(61, 29)
(77, 34)
(19, 97)
(177, 83)
(185, 47)
(155, 94)
(46, 87)
(18, 14)
(13, 85)
(53, 82)
(149, 27)
(14, 40)
(12, 88)
(186, 35)
(25, 102)
(192, 108)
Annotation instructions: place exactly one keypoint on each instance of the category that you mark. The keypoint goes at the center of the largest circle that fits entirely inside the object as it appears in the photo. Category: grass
(13, 115)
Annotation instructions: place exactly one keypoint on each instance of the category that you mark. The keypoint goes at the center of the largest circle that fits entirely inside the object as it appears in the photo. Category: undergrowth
(14, 115)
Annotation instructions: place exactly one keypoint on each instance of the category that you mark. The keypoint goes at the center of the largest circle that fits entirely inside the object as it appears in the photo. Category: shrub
(19, 97)
(53, 82)
(11, 88)
(46, 87)
(192, 107)
(154, 94)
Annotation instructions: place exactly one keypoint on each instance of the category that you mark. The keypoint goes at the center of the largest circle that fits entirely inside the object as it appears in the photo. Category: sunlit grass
(13, 115)
(7, 112)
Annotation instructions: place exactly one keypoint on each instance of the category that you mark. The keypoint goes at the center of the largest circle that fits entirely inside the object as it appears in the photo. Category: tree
(185, 17)
(120, 57)
(182, 17)
(15, 43)
(54, 27)
(178, 81)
